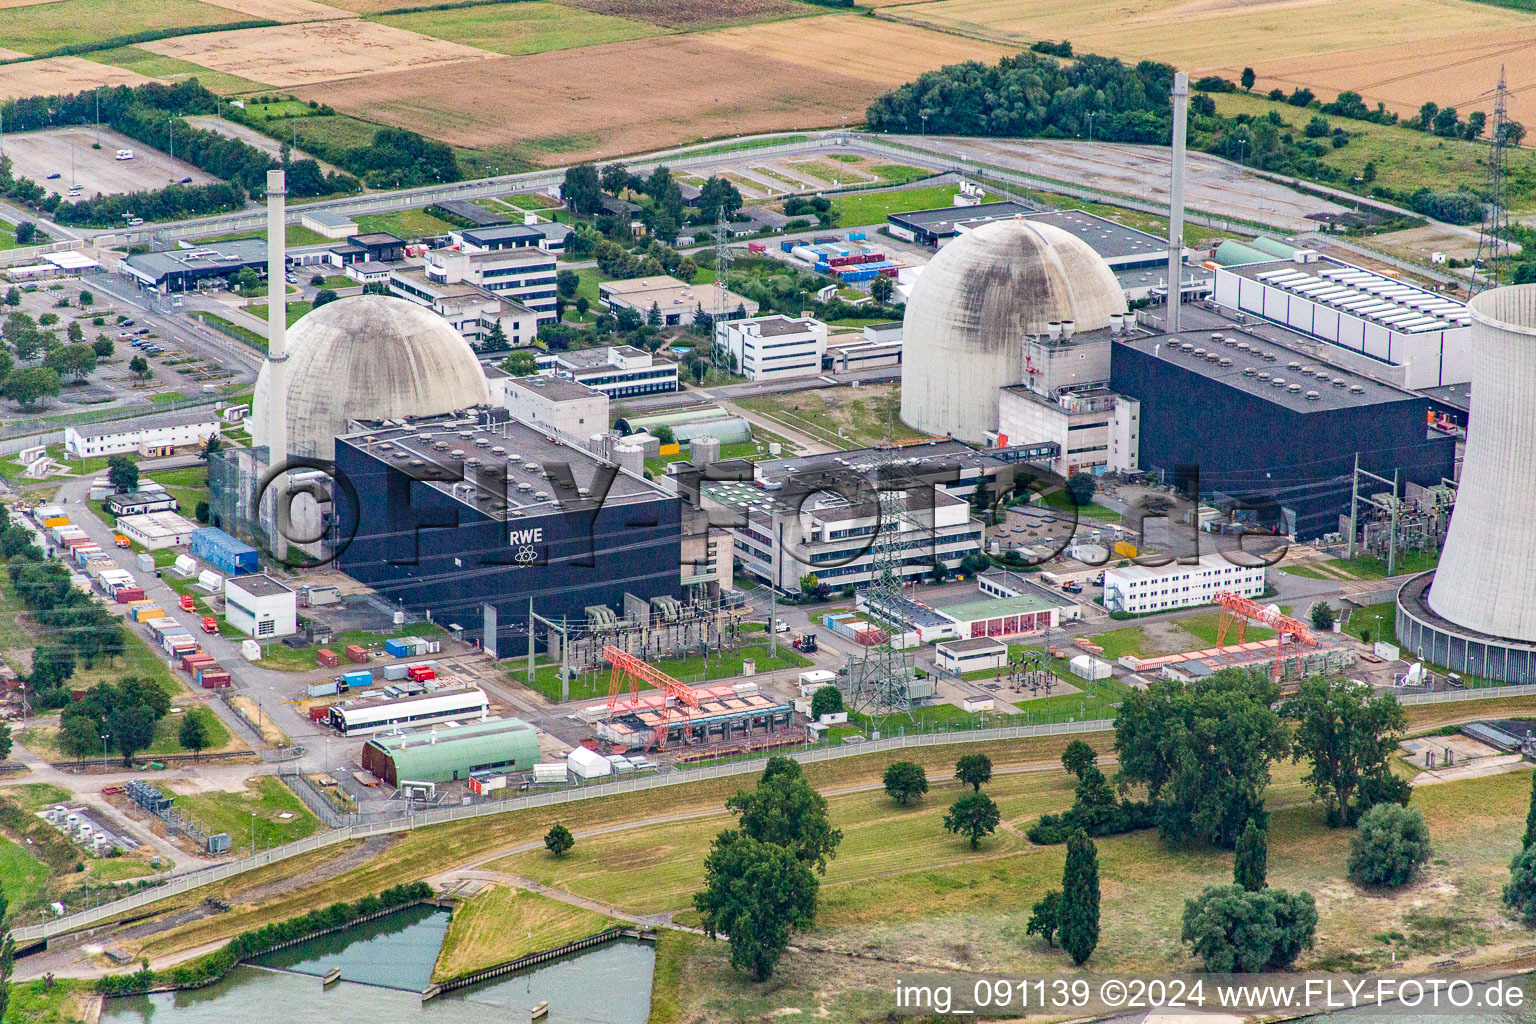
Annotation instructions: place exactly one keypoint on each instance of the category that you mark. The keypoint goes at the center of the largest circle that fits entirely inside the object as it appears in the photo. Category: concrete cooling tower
(1476, 613)
(974, 306)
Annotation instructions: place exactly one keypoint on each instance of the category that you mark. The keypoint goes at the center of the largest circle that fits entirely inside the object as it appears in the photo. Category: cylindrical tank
(703, 451)
(1483, 580)
(630, 457)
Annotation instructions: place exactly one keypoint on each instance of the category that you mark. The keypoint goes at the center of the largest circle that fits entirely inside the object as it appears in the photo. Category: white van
(125, 154)
(134, 222)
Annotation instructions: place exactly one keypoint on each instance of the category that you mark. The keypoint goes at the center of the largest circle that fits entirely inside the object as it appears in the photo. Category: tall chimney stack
(1176, 200)
(277, 343)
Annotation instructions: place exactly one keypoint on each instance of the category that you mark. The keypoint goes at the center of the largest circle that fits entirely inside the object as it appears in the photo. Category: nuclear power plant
(1476, 613)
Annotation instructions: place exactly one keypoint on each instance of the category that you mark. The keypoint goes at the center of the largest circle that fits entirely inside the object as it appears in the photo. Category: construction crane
(627, 667)
(1239, 610)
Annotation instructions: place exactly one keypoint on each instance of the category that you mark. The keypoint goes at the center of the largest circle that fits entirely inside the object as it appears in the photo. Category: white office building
(557, 405)
(472, 311)
(525, 275)
(260, 607)
(619, 371)
(773, 347)
(1138, 588)
(146, 435)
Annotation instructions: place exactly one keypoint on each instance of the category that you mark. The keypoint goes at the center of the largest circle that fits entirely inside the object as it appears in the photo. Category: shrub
(1235, 931)
(1390, 844)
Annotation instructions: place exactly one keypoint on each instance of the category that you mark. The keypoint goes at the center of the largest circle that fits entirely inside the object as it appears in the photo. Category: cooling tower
(1476, 613)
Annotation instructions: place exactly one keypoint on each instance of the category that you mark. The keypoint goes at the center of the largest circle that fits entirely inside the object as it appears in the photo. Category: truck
(210, 624)
(120, 540)
(186, 602)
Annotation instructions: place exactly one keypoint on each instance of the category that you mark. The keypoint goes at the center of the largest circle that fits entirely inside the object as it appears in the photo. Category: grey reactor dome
(368, 357)
(973, 307)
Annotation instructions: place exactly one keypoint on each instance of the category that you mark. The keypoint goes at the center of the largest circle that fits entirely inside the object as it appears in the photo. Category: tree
(1520, 890)
(247, 280)
(1530, 819)
(204, 512)
(1078, 924)
(193, 733)
(582, 305)
(1389, 846)
(323, 296)
(317, 280)
(1349, 736)
(614, 178)
(974, 770)
(5, 743)
(1095, 807)
(13, 296)
(76, 360)
(827, 700)
(1514, 132)
(1045, 918)
(558, 839)
(882, 288)
(581, 190)
(905, 781)
(211, 447)
(1077, 756)
(974, 816)
(1248, 78)
(132, 729)
(1203, 750)
(784, 810)
(26, 233)
(122, 474)
(1368, 172)
(51, 666)
(665, 435)
(1318, 127)
(103, 347)
(566, 283)
(1235, 931)
(79, 739)
(1322, 616)
(1252, 861)
(654, 318)
(74, 332)
(1477, 123)
(1081, 486)
(26, 387)
(658, 181)
(139, 367)
(1447, 123)
(521, 363)
(496, 340)
(757, 893)
(1427, 115)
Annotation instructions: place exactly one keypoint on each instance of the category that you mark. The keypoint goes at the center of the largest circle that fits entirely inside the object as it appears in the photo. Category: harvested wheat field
(1459, 72)
(859, 47)
(284, 10)
(59, 75)
(688, 13)
(294, 55)
(5, 4)
(1225, 35)
(645, 94)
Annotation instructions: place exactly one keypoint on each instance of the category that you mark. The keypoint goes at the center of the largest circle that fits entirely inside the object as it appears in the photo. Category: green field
(1405, 159)
(861, 208)
(331, 129)
(293, 311)
(522, 28)
(46, 26)
(1374, 567)
(1379, 620)
(695, 669)
(501, 924)
(22, 876)
(1059, 499)
(282, 658)
(844, 417)
(228, 326)
(173, 69)
(261, 807)
(43, 739)
(7, 235)
(406, 224)
(296, 234)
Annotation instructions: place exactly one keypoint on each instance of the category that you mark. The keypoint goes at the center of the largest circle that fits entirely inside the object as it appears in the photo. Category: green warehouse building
(450, 753)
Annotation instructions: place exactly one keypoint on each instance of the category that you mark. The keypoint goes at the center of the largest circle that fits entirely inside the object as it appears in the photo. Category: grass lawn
(897, 174)
(503, 924)
(696, 669)
(406, 224)
(174, 69)
(1149, 222)
(228, 326)
(22, 876)
(1405, 159)
(294, 311)
(1377, 620)
(1204, 628)
(43, 27)
(1125, 640)
(1060, 500)
(282, 658)
(43, 740)
(1306, 572)
(522, 28)
(265, 800)
(7, 235)
(844, 417)
(1374, 567)
(860, 208)
(296, 234)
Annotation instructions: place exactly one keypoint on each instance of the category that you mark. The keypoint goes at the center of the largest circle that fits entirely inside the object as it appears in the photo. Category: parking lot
(36, 155)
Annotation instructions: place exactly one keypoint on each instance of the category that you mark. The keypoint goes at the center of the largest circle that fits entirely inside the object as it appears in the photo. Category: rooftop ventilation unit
(1264, 377)
(1225, 361)
(498, 450)
(1294, 389)
(1249, 371)
(1313, 396)
(1338, 382)
(1356, 389)
(1278, 382)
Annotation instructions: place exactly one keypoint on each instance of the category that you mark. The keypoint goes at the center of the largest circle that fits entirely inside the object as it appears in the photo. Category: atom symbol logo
(526, 555)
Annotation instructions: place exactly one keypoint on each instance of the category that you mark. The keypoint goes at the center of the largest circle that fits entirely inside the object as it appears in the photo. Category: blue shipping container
(359, 678)
(227, 554)
(788, 245)
(397, 648)
(856, 236)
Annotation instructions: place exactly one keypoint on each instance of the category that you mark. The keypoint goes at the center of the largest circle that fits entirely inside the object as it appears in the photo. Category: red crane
(628, 667)
(1237, 609)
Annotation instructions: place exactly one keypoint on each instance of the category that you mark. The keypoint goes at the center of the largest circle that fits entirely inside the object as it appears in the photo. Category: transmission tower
(1493, 240)
(880, 683)
(722, 262)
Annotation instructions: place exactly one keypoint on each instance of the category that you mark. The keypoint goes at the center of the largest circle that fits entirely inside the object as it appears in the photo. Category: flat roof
(474, 213)
(1359, 292)
(260, 585)
(214, 256)
(667, 291)
(376, 238)
(976, 643)
(1137, 571)
(1248, 369)
(992, 607)
(486, 467)
(447, 733)
(500, 232)
(943, 221)
(158, 524)
(185, 418)
(554, 389)
(329, 218)
(595, 358)
(1457, 396)
(1108, 239)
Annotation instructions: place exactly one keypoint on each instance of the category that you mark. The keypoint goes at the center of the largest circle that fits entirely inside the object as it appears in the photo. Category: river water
(384, 966)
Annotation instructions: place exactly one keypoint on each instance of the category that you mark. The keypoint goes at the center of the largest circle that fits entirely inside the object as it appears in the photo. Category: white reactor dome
(368, 357)
(975, 304)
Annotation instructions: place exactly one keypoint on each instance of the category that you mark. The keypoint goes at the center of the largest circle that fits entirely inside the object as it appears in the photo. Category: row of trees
(663, 209)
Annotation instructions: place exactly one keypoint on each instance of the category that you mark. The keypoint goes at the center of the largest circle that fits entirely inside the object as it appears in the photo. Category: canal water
(385, 964)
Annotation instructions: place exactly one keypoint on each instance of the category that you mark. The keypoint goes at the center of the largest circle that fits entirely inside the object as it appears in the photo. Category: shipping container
(324, 688)
(788, 244)
(191, 662)
(756, 247)
(225, 553)
(320, 713)
(144, 614)
(356, 654)
(551, 772)
(53, 521)
(420, 673)
(327, 657)
(856, 236)
(215, 680)
(394, 672)
(357, 679)
(127, 595)
(397, 648)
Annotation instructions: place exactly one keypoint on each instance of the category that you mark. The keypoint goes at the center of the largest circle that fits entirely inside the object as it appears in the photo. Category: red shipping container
(421, 673)
(192, 662)
(215, 680)
(320, 713)
(356, 654)
(327, 657)
(127, 594)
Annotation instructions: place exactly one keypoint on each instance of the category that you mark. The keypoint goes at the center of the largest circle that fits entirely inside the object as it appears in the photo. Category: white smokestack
(1176, 200)
(277, 342)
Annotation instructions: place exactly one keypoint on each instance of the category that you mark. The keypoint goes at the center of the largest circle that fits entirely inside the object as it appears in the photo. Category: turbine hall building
(1270, 426)
(467, 521)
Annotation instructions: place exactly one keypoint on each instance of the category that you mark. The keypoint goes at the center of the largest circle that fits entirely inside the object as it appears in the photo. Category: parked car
(54, 175)
(127, 323)
(184, 181)
(142, 330)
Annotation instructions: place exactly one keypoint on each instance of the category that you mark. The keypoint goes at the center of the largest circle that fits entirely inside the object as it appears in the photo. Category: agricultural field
(171, 69)
(58, 75)
(694, 14)
(37, 28)
(283, 10)
(306, 54)
(638, 95)
(522, 28)
(1445, 50)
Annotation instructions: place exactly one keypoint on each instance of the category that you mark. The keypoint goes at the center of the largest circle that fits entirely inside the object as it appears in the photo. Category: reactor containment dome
(370, 357)
(975, 305)
(1475, 613)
